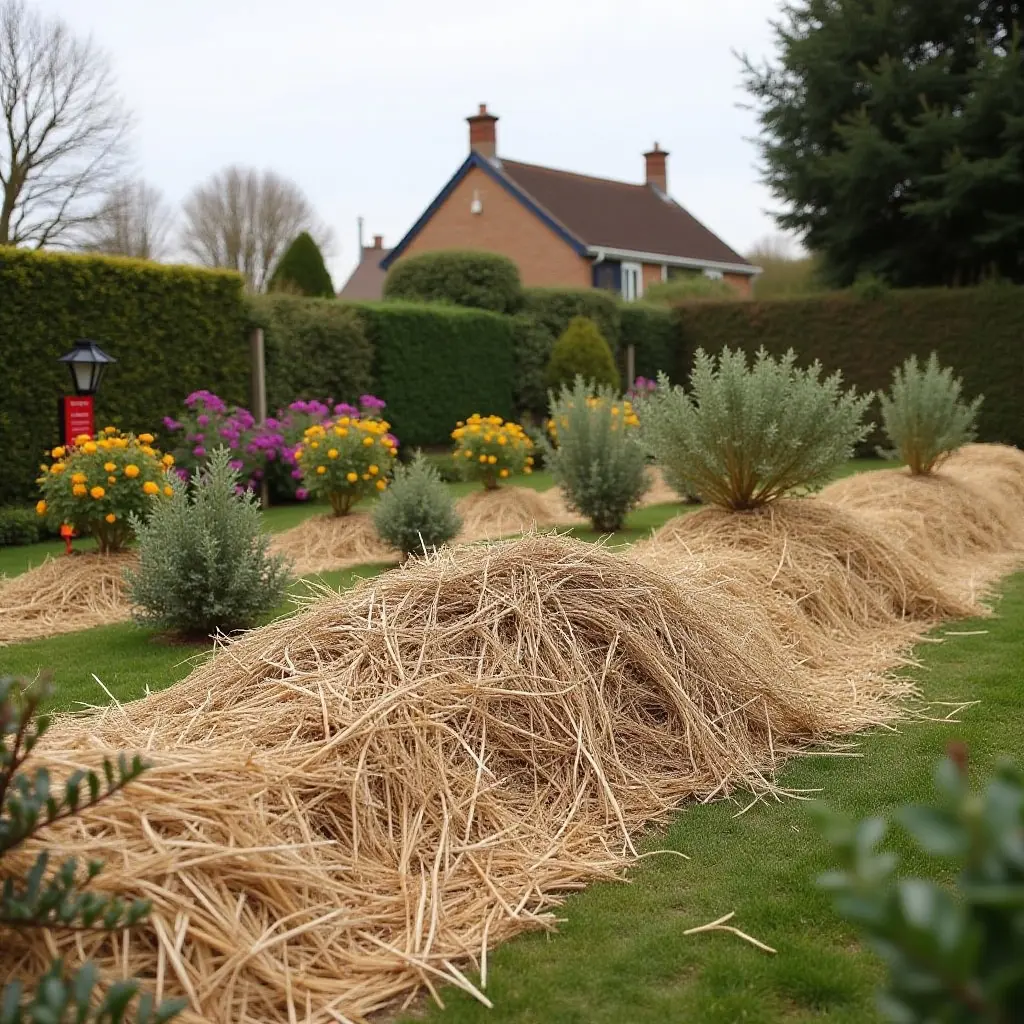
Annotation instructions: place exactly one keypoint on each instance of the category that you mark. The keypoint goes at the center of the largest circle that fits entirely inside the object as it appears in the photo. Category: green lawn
(622, 956)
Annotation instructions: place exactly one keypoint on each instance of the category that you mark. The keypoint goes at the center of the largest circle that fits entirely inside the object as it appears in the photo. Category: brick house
(367, 280)
(570, 230)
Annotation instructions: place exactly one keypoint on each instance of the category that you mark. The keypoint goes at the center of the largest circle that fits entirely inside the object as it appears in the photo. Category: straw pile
(63, 595)
(490, 515)
(325, 543)
(348, 804)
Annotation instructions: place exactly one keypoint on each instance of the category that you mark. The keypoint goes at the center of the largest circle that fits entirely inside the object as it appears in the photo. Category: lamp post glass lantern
(87, 363)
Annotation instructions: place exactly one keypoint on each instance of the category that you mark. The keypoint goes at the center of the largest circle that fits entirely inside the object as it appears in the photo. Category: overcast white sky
(363, 104)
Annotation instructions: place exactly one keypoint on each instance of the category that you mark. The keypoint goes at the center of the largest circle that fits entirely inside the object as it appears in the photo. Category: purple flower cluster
(642, 388)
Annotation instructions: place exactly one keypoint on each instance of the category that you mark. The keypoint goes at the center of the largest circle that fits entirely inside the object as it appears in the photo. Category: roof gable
(366, 282)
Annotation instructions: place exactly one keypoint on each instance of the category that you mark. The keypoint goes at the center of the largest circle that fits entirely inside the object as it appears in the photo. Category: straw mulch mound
(991, 465)
(325, 543)
(490, 515)
(63, 595)
(349, 804)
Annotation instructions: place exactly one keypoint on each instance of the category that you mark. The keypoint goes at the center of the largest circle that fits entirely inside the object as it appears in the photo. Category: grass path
(622, 958)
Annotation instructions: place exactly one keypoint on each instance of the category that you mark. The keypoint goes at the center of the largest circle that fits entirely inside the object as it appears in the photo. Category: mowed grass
(621, 956)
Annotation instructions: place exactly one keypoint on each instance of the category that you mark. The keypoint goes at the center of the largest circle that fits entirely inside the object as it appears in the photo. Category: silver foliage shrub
(416, 512)
(599, 461)
(745, 435)
(924, 415)
(204, 563)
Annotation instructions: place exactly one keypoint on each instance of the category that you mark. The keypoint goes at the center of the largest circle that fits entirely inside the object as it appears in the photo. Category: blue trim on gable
(475, 160)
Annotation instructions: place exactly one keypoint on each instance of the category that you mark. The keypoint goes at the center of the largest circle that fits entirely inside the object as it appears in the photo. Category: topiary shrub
(599, 461)
(204, 564)
(953, 954)
(491, 450)
(417, 512)
(302, 271)
(581, 351)
(924, 416)
(483, 280)
(746, 435)
(42, 897)
(20, 526)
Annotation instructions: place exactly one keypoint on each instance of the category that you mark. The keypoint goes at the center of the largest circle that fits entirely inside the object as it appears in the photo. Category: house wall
(651, 274)
(504, 226)
(743, 283)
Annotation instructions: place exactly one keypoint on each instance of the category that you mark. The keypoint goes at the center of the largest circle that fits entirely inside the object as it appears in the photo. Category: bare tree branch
(245, 219)
(64, 131)
(133, 221)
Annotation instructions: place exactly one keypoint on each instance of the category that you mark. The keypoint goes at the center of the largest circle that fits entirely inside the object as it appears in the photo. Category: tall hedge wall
(553, 308)
(171, 329)
(978, 331)
(435, 365)
(654, 334)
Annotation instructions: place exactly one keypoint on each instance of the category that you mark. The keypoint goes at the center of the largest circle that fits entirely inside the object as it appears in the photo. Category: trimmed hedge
(553, 308)
(480, 280)
(532, 347)
(976, 331)
(172, 330)
(20, 526)
(314, 348)
(653, 331)
(435, 365)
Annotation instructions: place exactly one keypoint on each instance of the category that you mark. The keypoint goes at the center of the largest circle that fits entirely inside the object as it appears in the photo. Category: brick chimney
(483, 138)
(657, 169)
(378, 241)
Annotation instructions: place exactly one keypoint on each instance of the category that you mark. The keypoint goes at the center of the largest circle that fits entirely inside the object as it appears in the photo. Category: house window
(632, 281)
(713, 275)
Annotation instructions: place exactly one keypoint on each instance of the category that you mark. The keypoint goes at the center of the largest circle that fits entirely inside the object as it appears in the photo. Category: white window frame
(627, 268)
(714, 275)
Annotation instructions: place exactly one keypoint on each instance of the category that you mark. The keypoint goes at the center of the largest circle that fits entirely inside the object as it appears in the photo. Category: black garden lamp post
(87, 363)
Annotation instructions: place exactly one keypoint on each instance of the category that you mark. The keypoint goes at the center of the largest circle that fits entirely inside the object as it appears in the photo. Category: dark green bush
(654, 334)
(482, 280)
(435, 365)
(532, 343)
(302, 271)
(555, 307)
(172, 330)
(581, 351)
(20, 526)
(977, 330)
(315, 348)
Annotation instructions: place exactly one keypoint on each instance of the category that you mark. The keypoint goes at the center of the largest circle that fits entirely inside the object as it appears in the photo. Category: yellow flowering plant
(95, 483)
(623, 415)
(345, 459)
(490, 449)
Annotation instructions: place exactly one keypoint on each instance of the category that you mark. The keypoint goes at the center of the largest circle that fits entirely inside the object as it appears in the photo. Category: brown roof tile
(366, 282)
(601, 212)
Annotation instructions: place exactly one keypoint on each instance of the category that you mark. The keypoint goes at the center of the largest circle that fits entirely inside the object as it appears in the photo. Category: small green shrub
(745, 436)
(952, 955)
(553, 308)
(483, 280)
(417, 512)
(691, 288)
(599, 461)
(20, 526)
(581, 351)
(302, 271)
(924, 416)
(43, 897)
(203, 557)
(532, 343)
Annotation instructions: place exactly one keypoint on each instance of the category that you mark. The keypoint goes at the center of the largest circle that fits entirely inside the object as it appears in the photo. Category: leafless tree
(133, 221)
(63, 128)
(244, 219)
(775, 247)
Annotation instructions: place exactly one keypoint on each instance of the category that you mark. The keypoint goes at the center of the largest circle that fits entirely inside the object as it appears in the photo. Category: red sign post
(76, 416)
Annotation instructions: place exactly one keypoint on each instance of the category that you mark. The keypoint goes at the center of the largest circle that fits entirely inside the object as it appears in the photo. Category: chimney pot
(483, 137)
(378, 241)
(656, 167)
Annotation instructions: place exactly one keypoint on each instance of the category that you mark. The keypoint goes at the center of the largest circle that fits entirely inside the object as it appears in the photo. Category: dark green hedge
(480, 280)
(172, 330)
(435, 365)
(555, 307)
(977, 331)
(653, 332)
(532, 346)
(315, 348)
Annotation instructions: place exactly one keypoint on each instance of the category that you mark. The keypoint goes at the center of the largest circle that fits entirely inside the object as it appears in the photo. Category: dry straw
(490, 515)
(326, 543)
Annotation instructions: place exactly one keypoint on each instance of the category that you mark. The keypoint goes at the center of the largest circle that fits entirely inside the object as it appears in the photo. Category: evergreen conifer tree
(302, 270)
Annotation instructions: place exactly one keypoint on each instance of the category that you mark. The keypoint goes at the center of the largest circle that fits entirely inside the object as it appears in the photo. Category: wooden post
(259, 394)
(630, 366)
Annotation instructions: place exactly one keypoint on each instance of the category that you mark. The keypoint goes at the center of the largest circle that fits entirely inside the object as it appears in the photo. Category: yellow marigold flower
(460, 424)
(366, 476)
(392, 452)
(351, 477)
(367, 440)
(144, 438)
(320, 470)
(57, 467)
(529, 460)
(111, 479)
(488, 438)
(333, 453)
(314, 444)
(79, 490)
(40, 508)
(483, 458)
(113, 430)
(344, 421)
(467, 453)
(58, 452)
(82, 438)
(120, 442)
(502, 439)
(169, 491)
(373, 470)
(341, 432)
(131, 471)
(381, 485)
(168, 460)
(78, 478)
(503, 473)
(149, 451)
(109, 467)
(150, 488)
(106, 445)
(527, 470)
(89, 447)
(97, 493)
(492, 459)
(110, 517)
